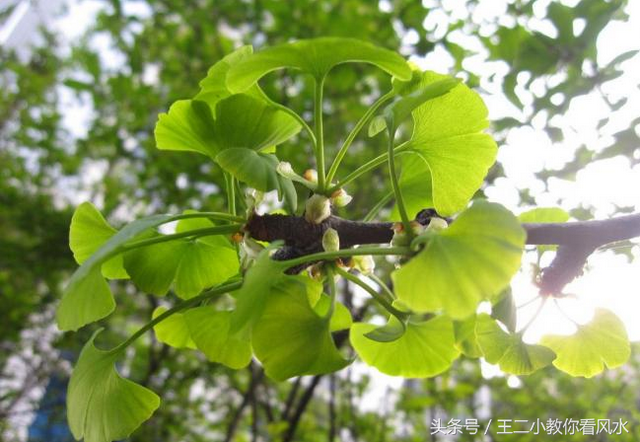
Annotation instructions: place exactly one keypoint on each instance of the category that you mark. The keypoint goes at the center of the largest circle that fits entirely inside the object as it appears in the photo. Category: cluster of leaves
(287, 321)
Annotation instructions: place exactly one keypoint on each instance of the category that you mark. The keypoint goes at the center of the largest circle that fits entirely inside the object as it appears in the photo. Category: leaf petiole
(367, 167)
(400, 315)
(207, 231)
(322, 256)
(216, 291)
(354, 132)
(319, 131)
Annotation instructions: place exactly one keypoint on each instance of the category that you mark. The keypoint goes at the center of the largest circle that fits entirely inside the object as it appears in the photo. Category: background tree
(163, 53)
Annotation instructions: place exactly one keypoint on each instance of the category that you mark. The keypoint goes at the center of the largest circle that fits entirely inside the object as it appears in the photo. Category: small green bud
(340, 198)
(364, 264)
(437, 224)
(318, 208)
(284, 168)
(331, 240)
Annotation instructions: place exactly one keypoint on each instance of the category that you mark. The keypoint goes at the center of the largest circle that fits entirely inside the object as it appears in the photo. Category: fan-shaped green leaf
(415, 185)
(188, 125)
(87, 297)
(88, 232)
(258, 283)
(241, 121)
(315, 57)
(508, 350)
(602, 342)
(173, 330)
(246, 121)
(102, 406)
(424, 350)
(393, 330)
(213, 87)
(402, 107)
(340, 319)
(465, 333)
(258, 170)
(469, 261)
(191, 265)
(504, 310)
(544, 215)
(209, 329)
(447, 132)
(290, 338)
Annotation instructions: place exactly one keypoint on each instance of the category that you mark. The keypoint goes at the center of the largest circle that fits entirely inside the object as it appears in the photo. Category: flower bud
(331, 240)
(364, 264)
(311, 175)
(318, 208)
(437, 224)
(340, 198)
(316, 271)
(249, 251)
(284, 168)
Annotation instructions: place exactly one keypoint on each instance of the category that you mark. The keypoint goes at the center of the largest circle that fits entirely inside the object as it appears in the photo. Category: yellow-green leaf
(471, 260)
(101, 405)
(601, 342)
(425, 349)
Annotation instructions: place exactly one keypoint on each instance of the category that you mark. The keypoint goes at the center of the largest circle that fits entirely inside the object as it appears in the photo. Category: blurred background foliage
(76, 123)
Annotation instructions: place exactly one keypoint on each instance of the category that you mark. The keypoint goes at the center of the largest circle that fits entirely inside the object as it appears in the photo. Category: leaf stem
(207, 231)
(331, 268)
(297, 117)
(225, 288)
(377, 296)
(366, 167)
(379, 205)
(215, 215)
(230, 182)
(535, 315)
(321, 256)
(317, 116)
(385, 288)
(354, 132)
(395, 185)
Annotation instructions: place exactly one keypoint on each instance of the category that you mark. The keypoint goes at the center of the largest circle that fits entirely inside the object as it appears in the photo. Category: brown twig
(577, 240)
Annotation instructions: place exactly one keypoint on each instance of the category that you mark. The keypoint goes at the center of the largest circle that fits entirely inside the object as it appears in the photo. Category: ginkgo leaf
(340, 319)
(101, 405)
(393, 330)
(508, 350)
(87, 297)
(213, 87)
(315, 57)
(256, 287)
(471, 260)
(173, 330)
(544, 215)
(258, 170)
(290, 338)
(415, 186)
(241, 121)
(88, 232)
(400, 109)
(504, 310)
(190, 265)
(209, 330)
(447, 136)
(246, 121)
(465, 333)
(424, 350)
(601, 342)
(187, 126)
